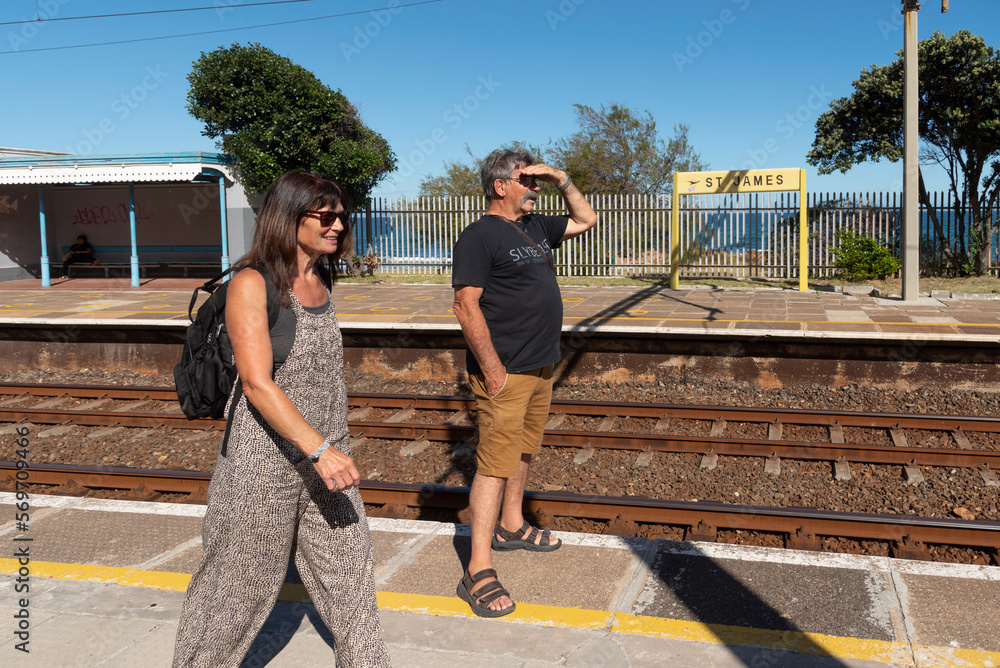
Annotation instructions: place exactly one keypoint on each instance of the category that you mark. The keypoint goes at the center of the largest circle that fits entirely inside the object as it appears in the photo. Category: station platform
(761, 312)
(104, 582)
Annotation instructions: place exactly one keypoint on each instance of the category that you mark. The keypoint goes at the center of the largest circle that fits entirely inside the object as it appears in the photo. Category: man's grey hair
(499, 164)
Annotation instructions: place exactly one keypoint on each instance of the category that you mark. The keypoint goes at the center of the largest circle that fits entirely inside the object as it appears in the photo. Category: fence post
(803, 235)
(675, 234)
(368, 226)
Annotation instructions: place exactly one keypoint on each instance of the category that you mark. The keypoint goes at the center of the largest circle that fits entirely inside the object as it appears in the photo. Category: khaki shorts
(511, 423)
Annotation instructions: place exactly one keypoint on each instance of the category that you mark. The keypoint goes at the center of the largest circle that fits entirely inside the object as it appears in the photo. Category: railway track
(973, 441)
(800, 528)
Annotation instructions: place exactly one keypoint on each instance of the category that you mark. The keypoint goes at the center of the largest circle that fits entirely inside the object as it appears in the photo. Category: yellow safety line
(13, 309)
(127, 577)
(865, 649)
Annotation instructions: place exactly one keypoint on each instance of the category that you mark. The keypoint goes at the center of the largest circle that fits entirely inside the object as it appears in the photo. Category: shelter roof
(126, 168)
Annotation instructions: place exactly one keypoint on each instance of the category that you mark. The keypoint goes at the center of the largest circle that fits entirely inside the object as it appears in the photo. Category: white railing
(738, 236)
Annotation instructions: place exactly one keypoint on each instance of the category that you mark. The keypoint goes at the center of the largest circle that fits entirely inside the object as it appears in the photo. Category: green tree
(462, 179)
(459, 179)
(617, 151)
(959, 128)
(272, 116)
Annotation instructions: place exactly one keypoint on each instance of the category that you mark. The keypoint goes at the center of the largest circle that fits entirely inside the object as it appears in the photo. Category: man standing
(508, 303)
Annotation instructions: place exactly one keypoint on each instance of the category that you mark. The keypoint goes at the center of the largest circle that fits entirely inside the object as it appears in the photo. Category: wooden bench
(161, 265)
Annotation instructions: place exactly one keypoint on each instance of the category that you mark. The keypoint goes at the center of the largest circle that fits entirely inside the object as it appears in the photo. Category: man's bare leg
(513, 497)
(512, 511)
(484, 509)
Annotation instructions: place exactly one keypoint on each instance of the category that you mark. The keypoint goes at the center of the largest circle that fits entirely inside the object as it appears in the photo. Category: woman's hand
(337, 470)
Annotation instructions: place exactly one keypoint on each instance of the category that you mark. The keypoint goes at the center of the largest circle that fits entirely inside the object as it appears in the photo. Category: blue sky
(749, 77)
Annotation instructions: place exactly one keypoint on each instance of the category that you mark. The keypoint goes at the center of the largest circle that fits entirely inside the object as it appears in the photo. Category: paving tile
(387, 547)
(116, 602)
(501, 641)
(108, 539)
(153, 649)
(530, 577)
(790, 326)
(69, 641)
(646, 652)
(763, 595)
(931, 604)
(183, 562)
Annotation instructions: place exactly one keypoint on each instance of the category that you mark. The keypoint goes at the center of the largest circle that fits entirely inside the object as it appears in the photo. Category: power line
(155, 11)
(211, 32)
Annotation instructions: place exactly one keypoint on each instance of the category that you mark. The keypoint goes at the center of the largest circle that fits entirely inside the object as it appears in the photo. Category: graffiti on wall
(103, 214)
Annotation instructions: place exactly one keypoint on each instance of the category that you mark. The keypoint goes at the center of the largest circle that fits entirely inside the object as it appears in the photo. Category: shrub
(862, 257)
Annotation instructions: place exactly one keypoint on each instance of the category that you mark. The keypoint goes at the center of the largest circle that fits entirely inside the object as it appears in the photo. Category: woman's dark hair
(274, 244)
(82, 236)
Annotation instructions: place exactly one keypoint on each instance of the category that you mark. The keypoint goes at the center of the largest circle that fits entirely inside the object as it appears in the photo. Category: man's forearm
(477, 335)
(578, 207)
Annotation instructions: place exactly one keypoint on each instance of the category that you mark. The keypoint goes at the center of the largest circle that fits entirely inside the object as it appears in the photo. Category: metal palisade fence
(750, 235)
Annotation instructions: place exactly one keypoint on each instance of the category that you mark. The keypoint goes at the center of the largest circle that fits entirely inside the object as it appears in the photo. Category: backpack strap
(273, 301)
(273, 313)
(208, 286)
(324, 271)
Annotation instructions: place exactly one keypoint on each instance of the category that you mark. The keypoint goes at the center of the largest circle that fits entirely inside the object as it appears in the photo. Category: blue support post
(46, 277)
(134, 260)
(225, 227)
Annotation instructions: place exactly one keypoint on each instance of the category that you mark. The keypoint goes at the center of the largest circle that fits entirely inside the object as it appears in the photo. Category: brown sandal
(513, 540)
(485, 595)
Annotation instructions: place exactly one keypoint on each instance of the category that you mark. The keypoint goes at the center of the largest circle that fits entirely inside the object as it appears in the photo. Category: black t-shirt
(521, 300)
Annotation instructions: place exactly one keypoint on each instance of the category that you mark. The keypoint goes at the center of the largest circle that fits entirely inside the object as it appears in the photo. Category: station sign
(738, 181)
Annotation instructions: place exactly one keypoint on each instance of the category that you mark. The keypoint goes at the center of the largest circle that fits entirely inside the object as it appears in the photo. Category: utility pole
(910, 246)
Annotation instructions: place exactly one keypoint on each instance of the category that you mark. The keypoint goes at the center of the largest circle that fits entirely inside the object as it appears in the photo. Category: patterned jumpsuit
(264, 501)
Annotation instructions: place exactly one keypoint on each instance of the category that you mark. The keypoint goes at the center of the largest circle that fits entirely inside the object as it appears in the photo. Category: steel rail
(590, 408)
(742, 447)
(108, 477)
(971, 533)
(788, 416)
(859, 526)
(738, 447)
(91, 391)
(106, 418)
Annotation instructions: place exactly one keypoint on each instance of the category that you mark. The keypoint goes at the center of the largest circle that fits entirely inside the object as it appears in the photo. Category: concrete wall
(20, 241)
(240, 220)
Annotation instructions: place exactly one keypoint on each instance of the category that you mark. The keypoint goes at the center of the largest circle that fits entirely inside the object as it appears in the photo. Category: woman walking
(284, 482)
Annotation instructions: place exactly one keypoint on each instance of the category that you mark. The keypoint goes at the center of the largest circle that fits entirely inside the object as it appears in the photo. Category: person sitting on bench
(81, 251)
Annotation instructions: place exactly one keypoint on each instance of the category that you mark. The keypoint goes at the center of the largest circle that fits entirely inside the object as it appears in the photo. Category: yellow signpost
(738, 181)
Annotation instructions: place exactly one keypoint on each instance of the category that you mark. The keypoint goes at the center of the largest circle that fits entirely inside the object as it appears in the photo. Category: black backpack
(207, 370)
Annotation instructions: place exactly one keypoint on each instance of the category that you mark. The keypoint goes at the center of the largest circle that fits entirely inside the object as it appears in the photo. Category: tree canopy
(272, 116)
(462, 179)
(959, 129)
(459, 179)
(615, 151)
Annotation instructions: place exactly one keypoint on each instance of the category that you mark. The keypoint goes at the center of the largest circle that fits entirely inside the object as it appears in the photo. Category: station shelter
(169, 212)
